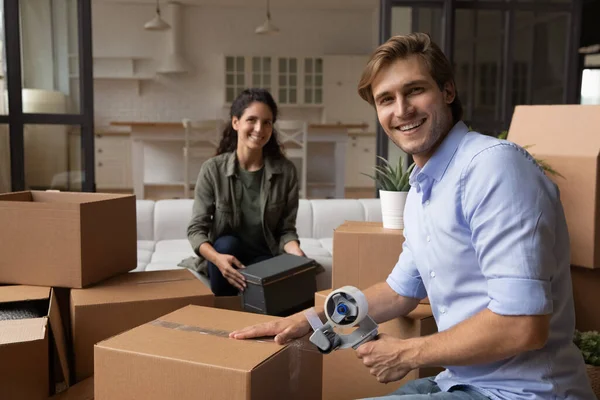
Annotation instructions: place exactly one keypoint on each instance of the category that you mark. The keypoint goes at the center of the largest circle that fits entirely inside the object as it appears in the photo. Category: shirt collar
(436, 166)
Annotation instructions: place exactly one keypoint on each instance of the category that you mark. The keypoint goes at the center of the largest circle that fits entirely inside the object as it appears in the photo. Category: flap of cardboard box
(9, 294)
(64, 200)
(22, 330)
(198, 335)
(141, 286)
(545, 128)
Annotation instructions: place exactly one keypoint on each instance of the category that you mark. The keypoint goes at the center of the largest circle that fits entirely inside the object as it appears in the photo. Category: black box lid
(277, 267)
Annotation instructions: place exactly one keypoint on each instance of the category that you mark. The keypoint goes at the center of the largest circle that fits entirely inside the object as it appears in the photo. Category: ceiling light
(267, 27)
(157, 23)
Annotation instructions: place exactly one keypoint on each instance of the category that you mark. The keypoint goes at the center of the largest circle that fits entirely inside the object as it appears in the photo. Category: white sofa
(162, 225)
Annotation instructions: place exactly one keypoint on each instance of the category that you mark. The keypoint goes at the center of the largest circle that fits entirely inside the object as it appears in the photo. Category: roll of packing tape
(346, 306)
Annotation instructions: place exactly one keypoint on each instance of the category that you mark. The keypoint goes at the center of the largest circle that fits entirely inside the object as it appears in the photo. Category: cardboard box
(66, 239)
(187, 355)
(586, 297)
(84, 390)
(125, 302)
(344, 375)
(28, 355)
(364, 253)
(567, 138)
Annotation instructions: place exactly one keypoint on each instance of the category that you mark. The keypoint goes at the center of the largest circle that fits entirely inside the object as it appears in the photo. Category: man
(485, 239)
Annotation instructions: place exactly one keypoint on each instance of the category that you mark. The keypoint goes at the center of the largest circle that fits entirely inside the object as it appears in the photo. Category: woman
(246, 197)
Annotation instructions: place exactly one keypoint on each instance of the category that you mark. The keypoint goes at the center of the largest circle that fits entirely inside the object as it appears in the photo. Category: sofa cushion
(328, 214)
(144, 210)
(171, 218)
(372, 209)
(327, 244)
(304, 219)
(145, 245)
(144, 256)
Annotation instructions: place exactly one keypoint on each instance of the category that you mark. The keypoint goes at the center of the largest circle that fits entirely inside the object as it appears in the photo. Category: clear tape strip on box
(297, 346)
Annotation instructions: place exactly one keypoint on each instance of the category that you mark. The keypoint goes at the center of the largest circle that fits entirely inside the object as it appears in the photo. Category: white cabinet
(360, 158)
(341, 100)
(113, 162)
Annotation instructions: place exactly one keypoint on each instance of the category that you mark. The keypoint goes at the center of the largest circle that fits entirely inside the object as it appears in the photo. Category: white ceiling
(275, 4)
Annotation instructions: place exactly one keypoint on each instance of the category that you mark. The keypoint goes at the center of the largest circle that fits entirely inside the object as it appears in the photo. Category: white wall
(210, 33)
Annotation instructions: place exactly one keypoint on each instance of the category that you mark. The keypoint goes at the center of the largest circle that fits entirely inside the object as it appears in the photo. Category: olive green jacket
(217, 198)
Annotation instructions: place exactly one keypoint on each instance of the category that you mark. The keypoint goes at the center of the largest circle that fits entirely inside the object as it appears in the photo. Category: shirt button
(443, 310)
(428, 238)
(427, 202)
(432, 274)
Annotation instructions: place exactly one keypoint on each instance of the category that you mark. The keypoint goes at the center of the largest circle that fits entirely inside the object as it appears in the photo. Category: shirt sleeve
(405, 278)
(203, 209)
(290, 212)
(511, 208)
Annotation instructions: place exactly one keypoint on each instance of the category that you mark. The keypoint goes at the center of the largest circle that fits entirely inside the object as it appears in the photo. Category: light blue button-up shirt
(484, 228)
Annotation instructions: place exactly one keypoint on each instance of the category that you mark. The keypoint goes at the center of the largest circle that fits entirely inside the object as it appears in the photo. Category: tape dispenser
(345, 307)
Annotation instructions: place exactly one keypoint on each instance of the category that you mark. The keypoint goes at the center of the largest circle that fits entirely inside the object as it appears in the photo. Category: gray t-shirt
(251, 230)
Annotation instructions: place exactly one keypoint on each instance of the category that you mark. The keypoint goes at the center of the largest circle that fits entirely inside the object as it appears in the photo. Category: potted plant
(589, 344)
(393, 185)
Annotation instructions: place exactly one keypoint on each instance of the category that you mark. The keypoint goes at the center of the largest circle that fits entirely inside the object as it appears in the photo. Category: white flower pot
(392, 209)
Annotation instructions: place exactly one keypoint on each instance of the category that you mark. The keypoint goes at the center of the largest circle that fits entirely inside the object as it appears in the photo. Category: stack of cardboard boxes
(567, 138)
(84, 322)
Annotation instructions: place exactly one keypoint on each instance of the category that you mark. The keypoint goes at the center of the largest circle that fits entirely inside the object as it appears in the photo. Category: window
(261, 72)
(288, 80)
(234, 77)
(488, 73)
(313, 80)
(519, 89)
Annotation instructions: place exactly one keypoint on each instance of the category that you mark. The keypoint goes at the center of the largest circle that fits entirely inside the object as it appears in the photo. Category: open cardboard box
(66, 239)
(187, 355)
(124, 302)
(344, 375)
(567, 137)
(31, 348)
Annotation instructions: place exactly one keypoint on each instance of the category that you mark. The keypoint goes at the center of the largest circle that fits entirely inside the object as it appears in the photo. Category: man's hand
(227, 265)
(284, 330)
(386, 358)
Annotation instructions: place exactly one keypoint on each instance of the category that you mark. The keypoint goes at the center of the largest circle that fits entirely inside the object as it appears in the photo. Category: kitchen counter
(156, 155)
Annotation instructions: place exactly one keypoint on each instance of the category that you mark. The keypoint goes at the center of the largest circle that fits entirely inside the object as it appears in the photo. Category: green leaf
(391, 177)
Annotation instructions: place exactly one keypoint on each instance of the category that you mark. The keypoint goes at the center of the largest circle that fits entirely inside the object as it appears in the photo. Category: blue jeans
(234, 246)
(426, 388)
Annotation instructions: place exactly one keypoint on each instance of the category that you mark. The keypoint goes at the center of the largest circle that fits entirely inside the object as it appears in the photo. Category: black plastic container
(280, 286)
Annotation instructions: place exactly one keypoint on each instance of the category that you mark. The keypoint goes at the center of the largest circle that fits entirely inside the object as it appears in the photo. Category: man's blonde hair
(402, 47)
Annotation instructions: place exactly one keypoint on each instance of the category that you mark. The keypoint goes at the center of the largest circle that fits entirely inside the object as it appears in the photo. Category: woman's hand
(227, 265)
(292, 247)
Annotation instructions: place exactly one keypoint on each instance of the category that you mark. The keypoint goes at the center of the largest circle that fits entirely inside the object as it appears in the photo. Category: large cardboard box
(344, 375)
(66, 239)
(364, 253)
(32, 343)
(187, 355)
(567, 137)
(124, 302)
(84, 390)
(586, 296)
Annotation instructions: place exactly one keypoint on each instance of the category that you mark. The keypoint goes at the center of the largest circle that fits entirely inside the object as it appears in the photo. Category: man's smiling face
(411, 108)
